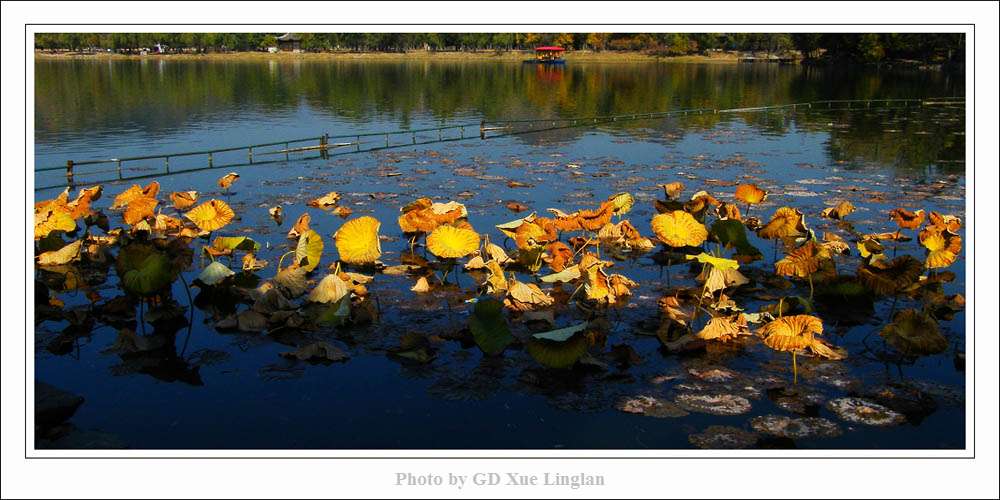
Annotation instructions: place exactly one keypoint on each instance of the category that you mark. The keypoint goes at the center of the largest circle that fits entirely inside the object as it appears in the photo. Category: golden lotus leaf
(786, 222)
(942, 246)
(358, 242)
(496, 281)
(526, 297)
(558, 256)
(791, 333)
(727, 211)
(80, 207)
(183, 200)
(719, 263)
(423, 215)
(679, 229)
(906, 219)
(914, 333)
(68, 253)
(751, 194)
(53, 217)
(211, 215)
(136, 191)
(450, 242)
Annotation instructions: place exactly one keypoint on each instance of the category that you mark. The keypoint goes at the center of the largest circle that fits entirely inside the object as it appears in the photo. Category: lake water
(202, 387)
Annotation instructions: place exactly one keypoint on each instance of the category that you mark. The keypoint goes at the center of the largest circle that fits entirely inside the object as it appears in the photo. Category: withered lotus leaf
(140, 209)
(136, 191)
(558, 256)
(525, 296)
(679, 229)
(725, 328)
(211, 215)
(791, 333)
(450, 242)
(727, 211)
(329, 290)
(622, 203)
(949, 222)
(672, 190)
(327, 200)
(309, 250)
(227, 180)
(751, 194)
(802, 261)
(421, 286)
(886, 277)
(183, 200)
(53, 217)
(786, 222)
(277, 213)
(839, 211)
(942, 246)
(68, 253)
(906, 219)
(357, 240)
(914, 333)
(301, 226)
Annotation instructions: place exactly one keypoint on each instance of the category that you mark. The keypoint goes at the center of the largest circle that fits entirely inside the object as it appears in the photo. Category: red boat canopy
(549, 49)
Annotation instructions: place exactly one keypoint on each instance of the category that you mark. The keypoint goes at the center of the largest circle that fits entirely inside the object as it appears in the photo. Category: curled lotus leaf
(906, 219)
(300, 227)
(329, 290)
(68, 253)
(886, 277)
(183, 200)
(725, 328)
(215, 273)
(949, 222)
(672, 190)
(942, 246)
(786, 222)
(622, 203)
(227, 180)
(526, 296)
(53, 217)
(839, 211)
(327, 200)
(679, 229)
(309, 250)
(560, 348)
(803, 261)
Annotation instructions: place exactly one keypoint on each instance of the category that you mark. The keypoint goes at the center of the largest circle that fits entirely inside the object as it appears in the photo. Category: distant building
(290, 42)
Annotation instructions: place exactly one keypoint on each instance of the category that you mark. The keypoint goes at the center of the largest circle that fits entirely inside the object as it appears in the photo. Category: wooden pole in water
(69, 173)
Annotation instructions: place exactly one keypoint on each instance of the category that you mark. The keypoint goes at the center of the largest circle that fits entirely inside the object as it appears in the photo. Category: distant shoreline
(413, 55)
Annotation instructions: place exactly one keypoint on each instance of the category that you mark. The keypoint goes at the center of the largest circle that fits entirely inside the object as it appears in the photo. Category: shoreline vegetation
(921, 50)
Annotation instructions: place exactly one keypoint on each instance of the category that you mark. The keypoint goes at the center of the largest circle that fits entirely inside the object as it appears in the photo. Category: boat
(547, 55)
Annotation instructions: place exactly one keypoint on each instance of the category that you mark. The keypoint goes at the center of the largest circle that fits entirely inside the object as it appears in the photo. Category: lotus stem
(810, 287)
(795, 370)
(781, 306)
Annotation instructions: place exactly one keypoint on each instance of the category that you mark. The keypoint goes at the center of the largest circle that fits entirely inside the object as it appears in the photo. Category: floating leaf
(329, 290)
(840, 211)
(318, 352)
(227, 180)
(65, 255)
(914, 333)
(232, 243)
(327, 200)
(558, 348)
(719, 263)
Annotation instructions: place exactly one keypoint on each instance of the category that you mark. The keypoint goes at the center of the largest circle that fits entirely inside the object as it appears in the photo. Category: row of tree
(865, 47)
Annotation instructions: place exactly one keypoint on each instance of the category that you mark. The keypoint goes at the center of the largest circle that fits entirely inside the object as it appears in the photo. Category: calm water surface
(205, 388)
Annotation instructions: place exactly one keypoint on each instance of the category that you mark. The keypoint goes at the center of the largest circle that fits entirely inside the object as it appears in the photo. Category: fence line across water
(364, 142)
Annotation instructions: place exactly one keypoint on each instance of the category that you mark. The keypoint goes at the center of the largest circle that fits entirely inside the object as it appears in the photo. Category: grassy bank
(414, 55)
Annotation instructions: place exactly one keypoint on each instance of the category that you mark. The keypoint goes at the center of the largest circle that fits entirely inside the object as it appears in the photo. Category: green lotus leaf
(235, 243)
(489, 327)
(733, 234)
(215, 273)
(143, 270)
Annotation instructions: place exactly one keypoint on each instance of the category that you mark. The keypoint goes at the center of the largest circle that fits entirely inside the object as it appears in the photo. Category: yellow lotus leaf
(68, 253)
(300, 227)
(949, 222)
(699, 204)
(622, 203)
(716, 279)
(421, 286)
(529, 236)
(791, 333)
(802, 261)
(510, 228)
(906, 219)
(211, 215)
(526, 297)
(869, 246)
(679, 229)
(914, 333)
(786, 222)
(309, 250)
(449, 242)
(344, 212)
(719, 263)
(942, 246)
(621, 285)
(357, 240)
(839, 211)
(183, 200)
(140, 209)
(227, 180)
(327, 200)
(751, 194)
(53, 217)
(166, 223)
(672, 190)
(724, 328)
(329, 290)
